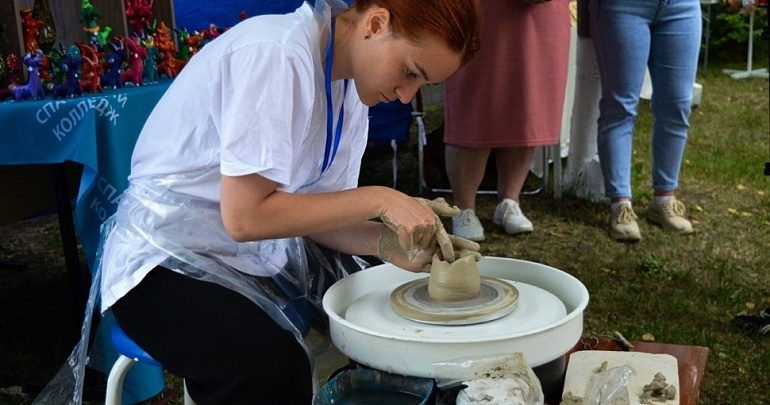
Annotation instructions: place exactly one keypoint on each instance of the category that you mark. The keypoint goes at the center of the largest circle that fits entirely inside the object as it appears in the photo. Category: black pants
(226, 347)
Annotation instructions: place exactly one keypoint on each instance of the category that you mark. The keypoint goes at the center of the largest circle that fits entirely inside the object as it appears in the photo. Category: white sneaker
(467, 225)
(509, 216)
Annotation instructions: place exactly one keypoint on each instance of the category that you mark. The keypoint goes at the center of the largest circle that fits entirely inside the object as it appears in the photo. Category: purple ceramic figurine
(71, 66)
(34, 87)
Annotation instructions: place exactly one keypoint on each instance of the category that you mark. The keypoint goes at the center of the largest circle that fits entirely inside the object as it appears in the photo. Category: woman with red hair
(243, 205)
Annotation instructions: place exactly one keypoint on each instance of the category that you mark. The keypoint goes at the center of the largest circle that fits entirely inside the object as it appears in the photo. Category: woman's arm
(359, 239)
(374, 238)
(253, 209)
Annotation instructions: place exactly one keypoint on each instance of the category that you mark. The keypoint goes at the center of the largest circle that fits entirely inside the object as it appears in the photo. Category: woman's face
(388, 68)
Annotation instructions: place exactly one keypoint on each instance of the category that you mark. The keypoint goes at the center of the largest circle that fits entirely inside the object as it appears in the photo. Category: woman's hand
(414, 222)
(420, 259)
(416, 259)
(441, 208)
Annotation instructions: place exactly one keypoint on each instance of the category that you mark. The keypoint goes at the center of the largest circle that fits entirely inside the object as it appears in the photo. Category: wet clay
(454, 294)
(458, 281)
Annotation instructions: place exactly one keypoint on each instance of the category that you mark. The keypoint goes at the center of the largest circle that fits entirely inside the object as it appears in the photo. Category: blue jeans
(629, 36)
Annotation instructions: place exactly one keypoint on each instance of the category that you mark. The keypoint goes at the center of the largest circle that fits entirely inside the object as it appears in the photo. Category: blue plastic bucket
(374, 387)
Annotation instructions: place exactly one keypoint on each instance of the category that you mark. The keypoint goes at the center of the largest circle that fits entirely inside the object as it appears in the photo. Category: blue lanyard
(332, 135)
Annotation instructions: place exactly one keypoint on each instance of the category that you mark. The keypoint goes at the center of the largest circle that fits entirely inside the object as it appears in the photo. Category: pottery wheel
(496, 299)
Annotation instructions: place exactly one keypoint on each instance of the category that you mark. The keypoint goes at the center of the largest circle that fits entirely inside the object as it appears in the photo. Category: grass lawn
(667, 288)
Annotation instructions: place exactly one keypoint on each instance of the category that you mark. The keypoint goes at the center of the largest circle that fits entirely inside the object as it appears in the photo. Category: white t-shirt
(251, 101)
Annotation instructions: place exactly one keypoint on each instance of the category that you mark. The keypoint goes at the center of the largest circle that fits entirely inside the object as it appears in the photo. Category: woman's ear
(377, 22)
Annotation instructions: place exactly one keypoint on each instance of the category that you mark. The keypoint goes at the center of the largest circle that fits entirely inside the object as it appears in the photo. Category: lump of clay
(458, 281)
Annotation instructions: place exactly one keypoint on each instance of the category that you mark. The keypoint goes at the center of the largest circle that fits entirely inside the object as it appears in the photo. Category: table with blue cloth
(98, 131)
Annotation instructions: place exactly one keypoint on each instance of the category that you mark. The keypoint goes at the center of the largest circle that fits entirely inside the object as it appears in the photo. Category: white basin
(412, 349)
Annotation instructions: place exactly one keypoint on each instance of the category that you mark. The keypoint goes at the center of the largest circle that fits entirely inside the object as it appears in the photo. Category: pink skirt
(511, 94)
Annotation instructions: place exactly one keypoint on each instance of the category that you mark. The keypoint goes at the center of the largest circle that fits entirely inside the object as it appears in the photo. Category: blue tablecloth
(98, 131)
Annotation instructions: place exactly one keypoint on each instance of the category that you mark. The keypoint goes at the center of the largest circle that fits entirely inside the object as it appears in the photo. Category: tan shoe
(623, 225)
(670, 215)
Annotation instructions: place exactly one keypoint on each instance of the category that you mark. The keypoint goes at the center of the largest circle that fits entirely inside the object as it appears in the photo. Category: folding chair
(435, 95)
(389, 123)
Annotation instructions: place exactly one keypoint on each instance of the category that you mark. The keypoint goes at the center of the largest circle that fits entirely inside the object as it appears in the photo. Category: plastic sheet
(67, 385)
(503, 379)
(302, 274)
(608, 387)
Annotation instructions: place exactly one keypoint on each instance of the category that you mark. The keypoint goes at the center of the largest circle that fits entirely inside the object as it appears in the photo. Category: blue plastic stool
(130, 354)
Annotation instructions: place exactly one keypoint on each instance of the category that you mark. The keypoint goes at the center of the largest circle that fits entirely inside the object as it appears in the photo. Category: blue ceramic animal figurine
(115, 58)
(150, 72)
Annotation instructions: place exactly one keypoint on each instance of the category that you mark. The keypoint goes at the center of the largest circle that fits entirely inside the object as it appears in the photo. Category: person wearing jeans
(630, 36)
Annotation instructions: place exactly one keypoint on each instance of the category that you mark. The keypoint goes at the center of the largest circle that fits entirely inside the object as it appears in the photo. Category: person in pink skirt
(509, 100)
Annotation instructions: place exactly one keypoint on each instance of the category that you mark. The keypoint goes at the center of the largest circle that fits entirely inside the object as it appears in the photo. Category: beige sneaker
(623, 225)
(670, 215)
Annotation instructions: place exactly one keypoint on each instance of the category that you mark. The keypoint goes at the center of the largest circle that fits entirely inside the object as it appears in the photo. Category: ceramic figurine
(150, 71)
(45, 70)
(163, 40)
(47, 35)
(210, 34)
(34, 87)
(136, 57)
(30, 27)
(115, 58)
(150, 29)
(194, 42)
(138, 14)
(89, 17)
(71, 66)
(91, 69)
(184, 50)
(103, 36)
(55, 59)
(169, 66)
(167, 62)
(14, 66)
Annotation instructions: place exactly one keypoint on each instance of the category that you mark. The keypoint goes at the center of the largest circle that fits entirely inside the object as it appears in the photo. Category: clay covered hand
(441, 208)
(462, 248)
(416, 223)
(419, 259)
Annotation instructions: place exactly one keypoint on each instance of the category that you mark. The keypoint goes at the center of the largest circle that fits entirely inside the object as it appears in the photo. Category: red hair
(454, 21)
